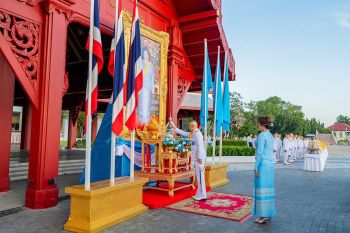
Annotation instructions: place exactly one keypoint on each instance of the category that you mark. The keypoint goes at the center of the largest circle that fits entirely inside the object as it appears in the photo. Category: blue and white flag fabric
(207, 85)
(226, 100)
(217, 97)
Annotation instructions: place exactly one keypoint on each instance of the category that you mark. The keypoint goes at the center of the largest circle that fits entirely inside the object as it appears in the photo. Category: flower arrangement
(316, 147)
(324, 146)
(169, 142)
(185, 141)
(180, 148)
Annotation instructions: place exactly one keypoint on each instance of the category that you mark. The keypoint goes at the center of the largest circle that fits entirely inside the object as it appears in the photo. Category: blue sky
(298, 50)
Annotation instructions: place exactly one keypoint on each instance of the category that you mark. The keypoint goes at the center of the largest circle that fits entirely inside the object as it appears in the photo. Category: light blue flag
(209, 84)
(217, 97)
(226, 100)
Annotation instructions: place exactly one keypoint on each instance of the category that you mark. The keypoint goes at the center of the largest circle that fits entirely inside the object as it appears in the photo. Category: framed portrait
(152, 97)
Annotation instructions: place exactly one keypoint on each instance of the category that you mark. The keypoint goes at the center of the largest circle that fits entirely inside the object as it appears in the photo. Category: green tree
(236, 112)
(287, 117)
(343, 119)
(81, 121)
(272, 106)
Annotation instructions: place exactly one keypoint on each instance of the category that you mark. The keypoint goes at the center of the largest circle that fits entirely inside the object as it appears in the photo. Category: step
(71, 161)
(69, 169)
(19, 178)
(19, 170)
(61, 163)
(19, 167)
(18, 164)
(64, 168)
(19, 173)
(70, 172)
(14, 169)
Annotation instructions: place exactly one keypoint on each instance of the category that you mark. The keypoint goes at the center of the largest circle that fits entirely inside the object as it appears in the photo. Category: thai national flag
(116, 68)
(97, 63)
(134, 83)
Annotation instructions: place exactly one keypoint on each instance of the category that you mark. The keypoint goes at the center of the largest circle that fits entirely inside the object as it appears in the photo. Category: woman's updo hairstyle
(265, 121)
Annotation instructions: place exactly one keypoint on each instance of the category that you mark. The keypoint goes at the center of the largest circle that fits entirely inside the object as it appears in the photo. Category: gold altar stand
(151, 141)
(171, 178)
(170, 166)
(176, 161)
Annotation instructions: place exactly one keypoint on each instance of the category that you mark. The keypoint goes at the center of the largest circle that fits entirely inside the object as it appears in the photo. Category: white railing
(15, 137)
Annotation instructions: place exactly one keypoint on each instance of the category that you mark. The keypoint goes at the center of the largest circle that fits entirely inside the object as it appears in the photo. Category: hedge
(80, 143)
(233, 151)
(231, 142)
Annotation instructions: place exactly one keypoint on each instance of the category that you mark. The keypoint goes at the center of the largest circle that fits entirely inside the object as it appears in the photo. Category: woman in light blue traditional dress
(264, 192)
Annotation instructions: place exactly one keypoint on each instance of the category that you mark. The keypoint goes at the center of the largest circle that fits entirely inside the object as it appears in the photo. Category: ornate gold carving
(23, 38)
(170, 178)
(163, 39)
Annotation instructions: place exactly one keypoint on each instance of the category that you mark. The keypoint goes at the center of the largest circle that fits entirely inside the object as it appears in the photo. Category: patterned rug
(227, 206)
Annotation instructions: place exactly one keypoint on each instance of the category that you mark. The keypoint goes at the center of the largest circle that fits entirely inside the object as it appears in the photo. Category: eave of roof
(199, 20)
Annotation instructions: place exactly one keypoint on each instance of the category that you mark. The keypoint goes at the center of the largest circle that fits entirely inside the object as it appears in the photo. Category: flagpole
(205, 98)
(220, 154)
(88, 125)
(112, 171)
(215, 104)
(225, 67)
(112, 174)
(132, 155)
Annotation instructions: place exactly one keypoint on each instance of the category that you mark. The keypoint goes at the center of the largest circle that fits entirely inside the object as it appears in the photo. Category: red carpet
(155, 199)
(227, 206)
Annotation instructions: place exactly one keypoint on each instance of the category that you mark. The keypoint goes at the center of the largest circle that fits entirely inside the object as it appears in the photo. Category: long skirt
(264, 192)
(145, 104)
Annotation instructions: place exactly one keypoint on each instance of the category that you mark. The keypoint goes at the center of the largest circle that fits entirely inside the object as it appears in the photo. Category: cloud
(343, 20)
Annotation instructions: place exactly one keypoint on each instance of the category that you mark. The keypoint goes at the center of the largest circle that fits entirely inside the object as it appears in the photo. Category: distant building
(16, 129)
(340, 131)
(190, 108)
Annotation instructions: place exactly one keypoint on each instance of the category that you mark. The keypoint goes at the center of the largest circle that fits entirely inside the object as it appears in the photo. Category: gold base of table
(216, 175)
(170, 178)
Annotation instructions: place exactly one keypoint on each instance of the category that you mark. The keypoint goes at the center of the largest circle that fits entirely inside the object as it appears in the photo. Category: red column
(172, 90)
(26, 126)
(72, 132)
(94, 129)
(175, 59)
(7, 87)
(42, 190)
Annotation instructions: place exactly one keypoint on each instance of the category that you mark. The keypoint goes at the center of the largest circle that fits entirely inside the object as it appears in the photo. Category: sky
(298, 50)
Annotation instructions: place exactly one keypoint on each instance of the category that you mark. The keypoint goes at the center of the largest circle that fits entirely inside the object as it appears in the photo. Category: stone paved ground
(306, 202)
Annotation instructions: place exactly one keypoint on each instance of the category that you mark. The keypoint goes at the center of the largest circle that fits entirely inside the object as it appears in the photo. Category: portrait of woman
(149, 94)
(264, 190)
(145, 95)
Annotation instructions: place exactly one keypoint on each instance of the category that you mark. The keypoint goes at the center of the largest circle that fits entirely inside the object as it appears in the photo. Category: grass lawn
(63, 143)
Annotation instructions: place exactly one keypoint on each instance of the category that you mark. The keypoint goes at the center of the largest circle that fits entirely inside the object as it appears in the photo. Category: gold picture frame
(163, 39)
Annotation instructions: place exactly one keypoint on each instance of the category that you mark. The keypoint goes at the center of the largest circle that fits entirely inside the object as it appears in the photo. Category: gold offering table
(170, 166)
(170, 178)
